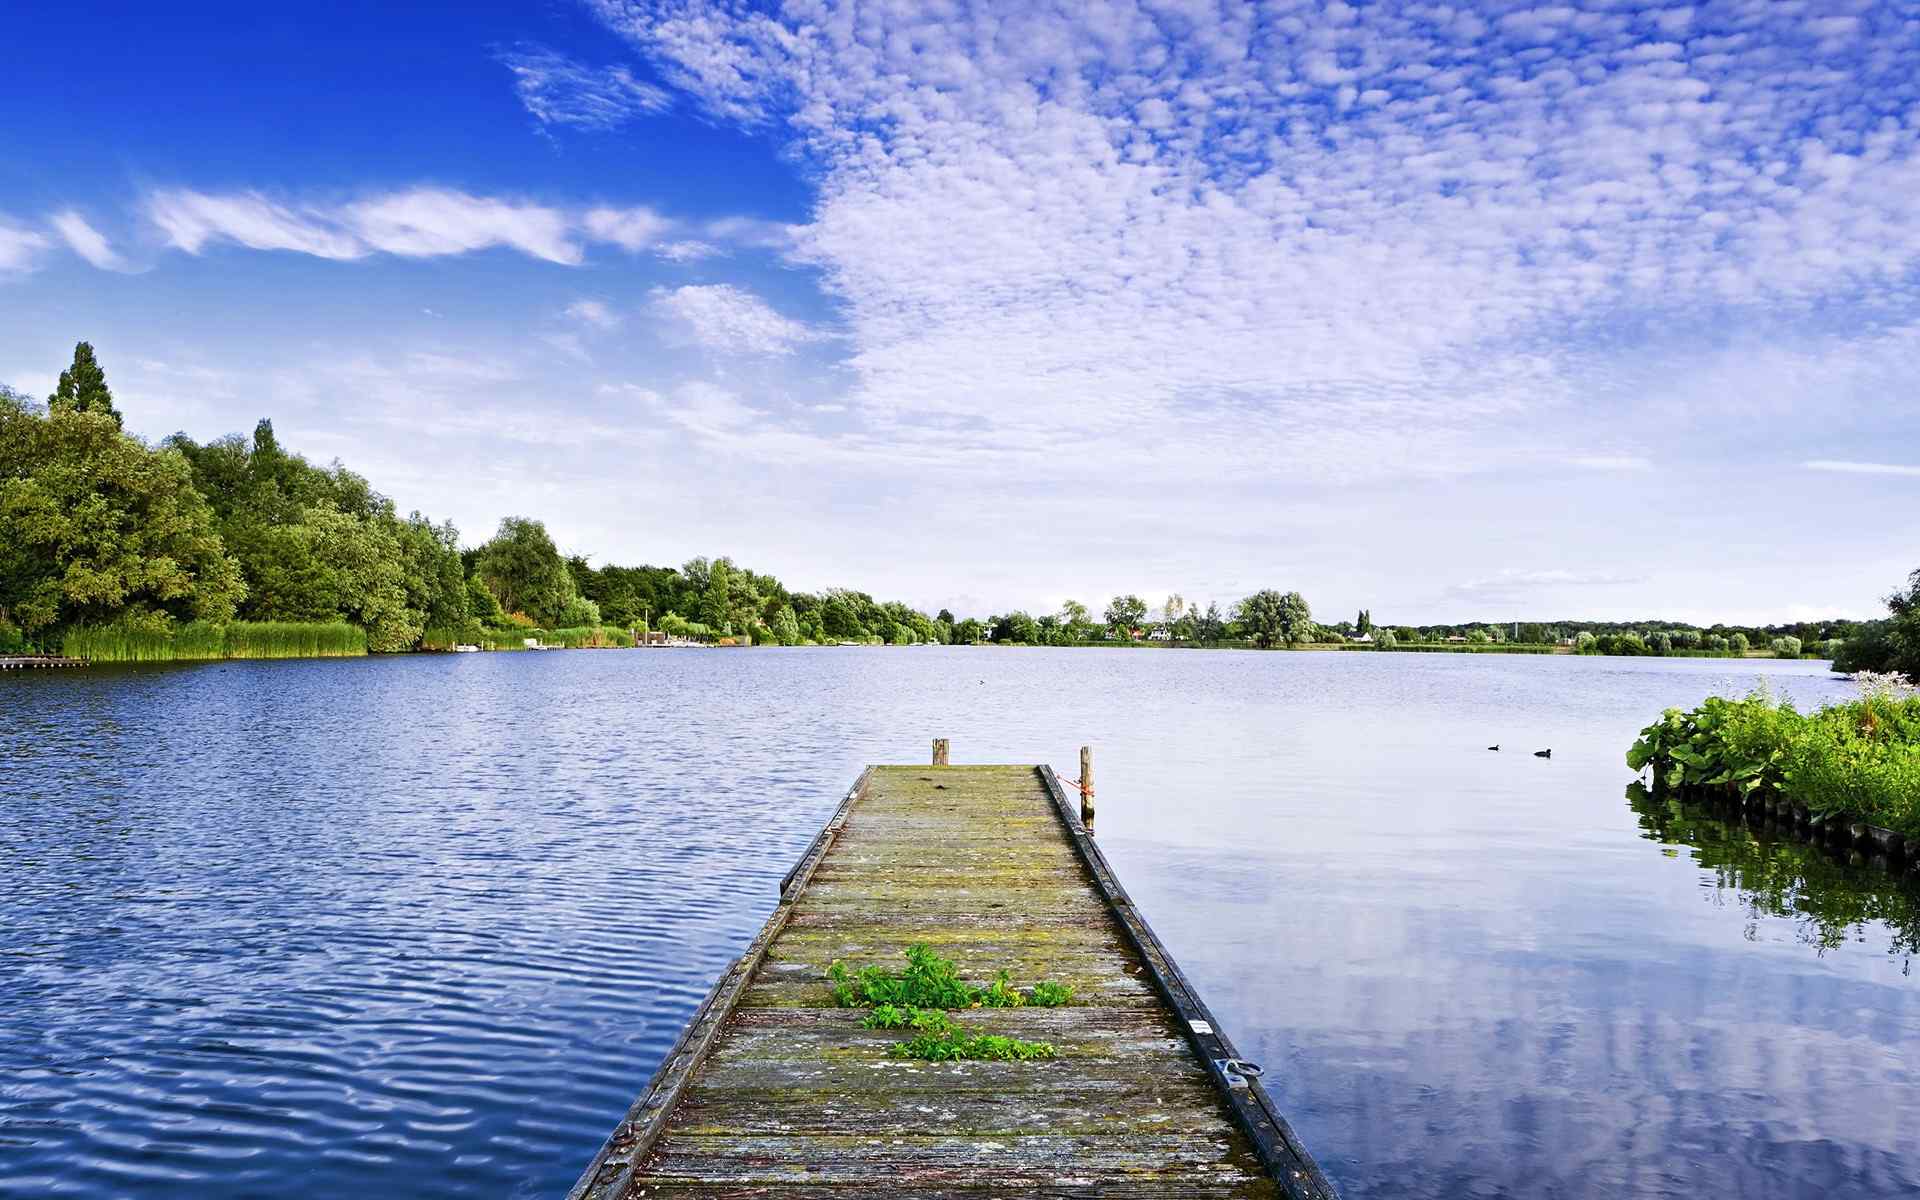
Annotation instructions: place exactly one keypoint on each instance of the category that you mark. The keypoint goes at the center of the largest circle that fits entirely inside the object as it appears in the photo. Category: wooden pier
(772, 1090)
(23, 662)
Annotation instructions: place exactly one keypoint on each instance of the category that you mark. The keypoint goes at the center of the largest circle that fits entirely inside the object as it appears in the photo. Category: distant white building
(1361, 637)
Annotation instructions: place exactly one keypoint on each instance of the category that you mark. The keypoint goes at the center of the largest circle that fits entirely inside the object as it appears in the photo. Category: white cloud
(628, 228)
(594, 313)
(728, 319)
(560, 91)
(419, 222)
(422, 222)
(1861, 468)
(86, 241)
(686, 251)
(426, 222)
(709, 409)
(191, 220)
(19, 248)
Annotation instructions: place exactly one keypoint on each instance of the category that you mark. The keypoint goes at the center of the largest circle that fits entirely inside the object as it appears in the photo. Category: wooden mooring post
(939, 752)
(1086, 787)
(774, 1090)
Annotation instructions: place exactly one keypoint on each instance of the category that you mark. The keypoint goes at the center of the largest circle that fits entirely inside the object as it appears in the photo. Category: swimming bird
(1543, 753)
(1495, 746)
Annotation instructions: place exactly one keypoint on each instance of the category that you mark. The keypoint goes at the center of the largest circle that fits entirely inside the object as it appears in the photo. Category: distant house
(1454, 637)
(1362, 637)
(1162, 634)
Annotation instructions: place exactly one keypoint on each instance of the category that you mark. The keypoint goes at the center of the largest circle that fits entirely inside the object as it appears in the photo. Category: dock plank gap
(773, 1090)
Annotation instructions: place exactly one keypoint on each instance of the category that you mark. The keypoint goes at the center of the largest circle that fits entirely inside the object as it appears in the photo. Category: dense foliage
(1892, 645)
(102, 528)
(1860, 758)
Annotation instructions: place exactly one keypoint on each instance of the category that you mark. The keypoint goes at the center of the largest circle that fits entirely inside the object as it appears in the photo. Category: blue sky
(1501, 310)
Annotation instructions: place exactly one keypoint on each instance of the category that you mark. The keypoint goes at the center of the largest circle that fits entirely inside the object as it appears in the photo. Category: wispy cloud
(559, 91)
(19, 248)
(1612, 462)
(1861, 468)
(193, 220)
(731, 320)
(427, 222)
(628, 228)
(594, 313)
(86, 241)
(421, 222)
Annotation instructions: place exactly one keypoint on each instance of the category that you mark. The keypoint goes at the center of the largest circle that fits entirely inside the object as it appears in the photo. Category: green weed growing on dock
(919, 997)
(934, 982)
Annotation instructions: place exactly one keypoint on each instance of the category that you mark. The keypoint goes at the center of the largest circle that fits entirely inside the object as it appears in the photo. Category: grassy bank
(200, 642)
(1859, 759)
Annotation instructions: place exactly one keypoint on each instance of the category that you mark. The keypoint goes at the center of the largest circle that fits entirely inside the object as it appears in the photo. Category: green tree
(1786, 647)
(1889, 645)
(1210, 626)
(579, 613)
(1737, 644)
(83, 387)
(786, 626)
(1272, 618)
(969, 631)
(524, 571)
(838, 619)
(99, 527)
(1125, 614)
(1018, 628)
(716, 601)
(484, 605)
(1076, 623)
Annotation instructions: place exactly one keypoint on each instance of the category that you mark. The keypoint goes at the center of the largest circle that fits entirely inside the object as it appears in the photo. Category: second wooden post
(939, 752)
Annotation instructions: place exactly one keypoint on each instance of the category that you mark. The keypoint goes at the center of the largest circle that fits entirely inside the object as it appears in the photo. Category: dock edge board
(1254, 1111)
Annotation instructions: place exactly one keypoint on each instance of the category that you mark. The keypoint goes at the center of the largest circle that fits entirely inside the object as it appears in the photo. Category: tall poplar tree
(83, 386)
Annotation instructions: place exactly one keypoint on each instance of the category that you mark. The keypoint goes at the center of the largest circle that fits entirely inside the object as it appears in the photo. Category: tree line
(105, 530)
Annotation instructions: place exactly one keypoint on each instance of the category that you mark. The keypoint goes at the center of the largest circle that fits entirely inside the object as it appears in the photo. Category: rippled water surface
(425, 925)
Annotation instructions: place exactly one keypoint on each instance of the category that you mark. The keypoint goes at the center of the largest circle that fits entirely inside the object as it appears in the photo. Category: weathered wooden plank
(781, 1093)
(1111, 1108)
(1027, 1161)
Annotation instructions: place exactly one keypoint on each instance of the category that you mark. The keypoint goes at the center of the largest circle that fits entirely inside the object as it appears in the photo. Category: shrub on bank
(1861, 759)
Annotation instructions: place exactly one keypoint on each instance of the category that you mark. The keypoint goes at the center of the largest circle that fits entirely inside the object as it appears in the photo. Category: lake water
(425, 925)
